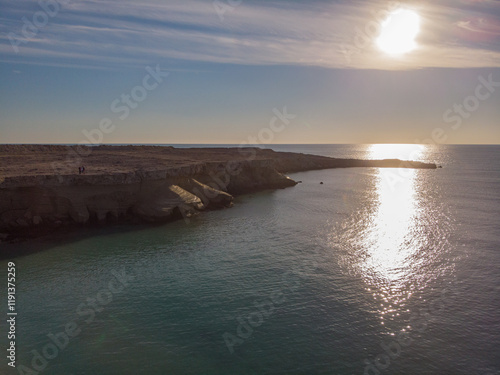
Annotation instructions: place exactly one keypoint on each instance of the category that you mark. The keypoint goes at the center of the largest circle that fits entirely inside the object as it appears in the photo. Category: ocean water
(375, 271)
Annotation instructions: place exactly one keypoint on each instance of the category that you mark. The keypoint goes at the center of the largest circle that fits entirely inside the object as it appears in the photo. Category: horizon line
(245, 145)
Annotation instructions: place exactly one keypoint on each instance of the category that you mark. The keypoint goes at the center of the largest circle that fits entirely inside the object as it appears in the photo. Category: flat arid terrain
(32, 160)
(37, 160)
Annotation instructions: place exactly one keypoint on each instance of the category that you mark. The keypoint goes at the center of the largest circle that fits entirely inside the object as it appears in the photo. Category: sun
(399, 31)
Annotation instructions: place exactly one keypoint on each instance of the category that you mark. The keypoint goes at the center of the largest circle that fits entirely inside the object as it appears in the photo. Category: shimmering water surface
(374, 271)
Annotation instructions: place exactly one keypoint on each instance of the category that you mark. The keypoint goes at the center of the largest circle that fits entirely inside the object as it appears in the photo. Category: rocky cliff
(33, 205)
(158, 185)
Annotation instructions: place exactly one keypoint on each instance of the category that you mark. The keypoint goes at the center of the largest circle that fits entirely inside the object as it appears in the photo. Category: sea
(352, 271)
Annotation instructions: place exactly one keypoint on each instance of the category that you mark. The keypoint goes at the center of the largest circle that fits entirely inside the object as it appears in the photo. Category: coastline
(41, 191)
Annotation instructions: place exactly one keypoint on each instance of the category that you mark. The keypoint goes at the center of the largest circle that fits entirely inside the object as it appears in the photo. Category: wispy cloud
(126, 33)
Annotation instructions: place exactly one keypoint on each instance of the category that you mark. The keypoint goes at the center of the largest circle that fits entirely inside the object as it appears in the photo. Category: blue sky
(231, 63)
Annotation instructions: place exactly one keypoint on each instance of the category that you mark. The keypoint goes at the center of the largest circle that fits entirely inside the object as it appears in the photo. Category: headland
(42, 189)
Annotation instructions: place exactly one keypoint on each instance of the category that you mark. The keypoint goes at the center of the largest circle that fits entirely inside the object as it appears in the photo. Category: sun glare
(396, 151)
(399, 31)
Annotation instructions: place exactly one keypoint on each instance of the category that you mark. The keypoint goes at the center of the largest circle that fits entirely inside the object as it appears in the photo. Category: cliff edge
(41, 189)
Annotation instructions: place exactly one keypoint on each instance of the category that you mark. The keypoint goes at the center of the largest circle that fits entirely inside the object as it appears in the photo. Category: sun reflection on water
(389, 251)
(393, 239)
(394, 218)
(388, 246)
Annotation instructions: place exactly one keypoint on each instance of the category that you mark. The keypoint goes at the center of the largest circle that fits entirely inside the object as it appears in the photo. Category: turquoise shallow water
(375, 271)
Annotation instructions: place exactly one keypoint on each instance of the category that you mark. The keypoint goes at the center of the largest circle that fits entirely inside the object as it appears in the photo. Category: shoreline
(40, 193)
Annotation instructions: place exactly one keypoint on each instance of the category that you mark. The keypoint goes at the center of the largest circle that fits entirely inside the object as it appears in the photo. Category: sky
(247, 71)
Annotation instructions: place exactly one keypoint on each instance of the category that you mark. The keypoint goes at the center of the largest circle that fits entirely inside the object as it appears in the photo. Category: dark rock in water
(321, 183)
(299, 182)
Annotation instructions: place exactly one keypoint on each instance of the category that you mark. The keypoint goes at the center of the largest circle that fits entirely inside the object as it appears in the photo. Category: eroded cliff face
(40, 191)
(34, 205)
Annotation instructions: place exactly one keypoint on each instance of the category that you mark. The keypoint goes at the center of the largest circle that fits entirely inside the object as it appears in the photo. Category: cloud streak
(125, 34)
